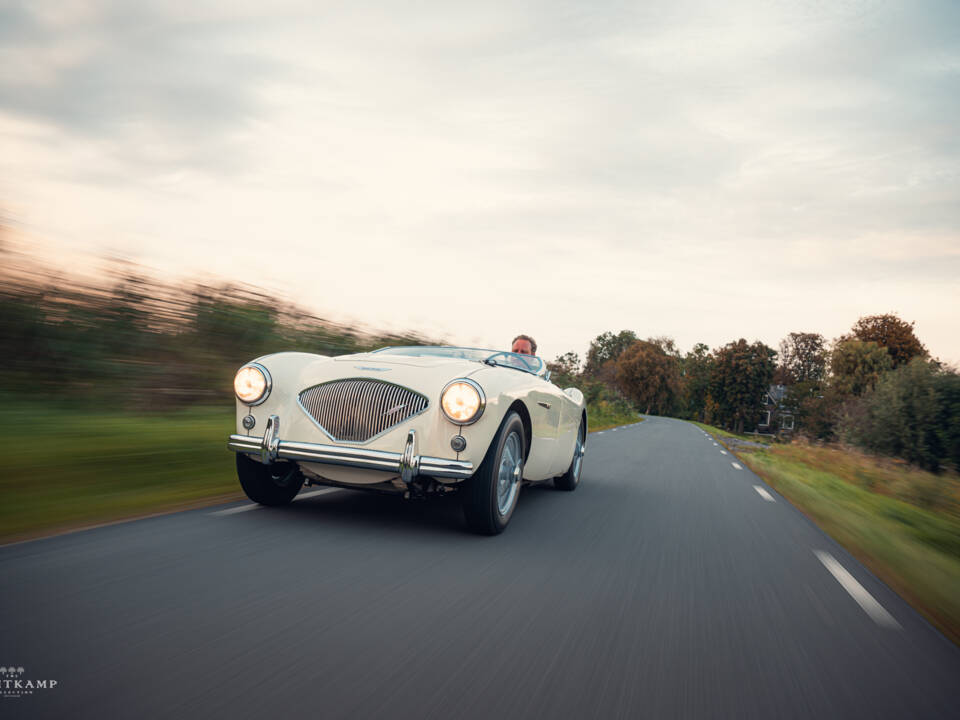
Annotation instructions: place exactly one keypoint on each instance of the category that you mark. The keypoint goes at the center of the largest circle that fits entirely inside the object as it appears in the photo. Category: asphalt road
(667, 585)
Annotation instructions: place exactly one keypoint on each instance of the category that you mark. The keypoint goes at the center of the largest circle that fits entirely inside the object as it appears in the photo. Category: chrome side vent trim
(359, 409)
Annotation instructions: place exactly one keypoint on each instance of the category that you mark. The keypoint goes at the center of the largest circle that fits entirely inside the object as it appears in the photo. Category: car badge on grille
(392, 410)
(372, 369)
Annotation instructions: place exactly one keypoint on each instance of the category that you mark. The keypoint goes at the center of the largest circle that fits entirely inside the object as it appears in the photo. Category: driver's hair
(533, 343)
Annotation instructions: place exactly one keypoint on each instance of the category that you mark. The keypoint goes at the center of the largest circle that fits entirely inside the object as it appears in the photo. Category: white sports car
(408, 420)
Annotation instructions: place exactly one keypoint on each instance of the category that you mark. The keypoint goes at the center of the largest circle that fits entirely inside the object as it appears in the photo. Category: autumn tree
(607, 347)
(649, 377)
(695, 370)
(741, 373)
(803, 358)
(856, 365)
(667, 344)
(890, 332)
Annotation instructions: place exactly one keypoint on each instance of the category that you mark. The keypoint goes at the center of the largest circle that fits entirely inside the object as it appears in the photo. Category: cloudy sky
(705, 170)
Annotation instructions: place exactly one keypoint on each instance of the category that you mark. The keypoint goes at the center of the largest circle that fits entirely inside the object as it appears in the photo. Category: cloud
(670, 157)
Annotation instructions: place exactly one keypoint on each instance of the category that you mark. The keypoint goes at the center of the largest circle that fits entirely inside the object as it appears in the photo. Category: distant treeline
(136, 342)
(875, 387)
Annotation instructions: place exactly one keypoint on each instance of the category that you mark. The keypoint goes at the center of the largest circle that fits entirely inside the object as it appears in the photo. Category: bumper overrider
(407, 464)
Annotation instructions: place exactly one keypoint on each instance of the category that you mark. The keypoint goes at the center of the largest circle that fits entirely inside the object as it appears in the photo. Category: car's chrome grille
(358, 409)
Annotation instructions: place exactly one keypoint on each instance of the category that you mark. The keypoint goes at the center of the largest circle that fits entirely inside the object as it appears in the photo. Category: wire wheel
(509, 474)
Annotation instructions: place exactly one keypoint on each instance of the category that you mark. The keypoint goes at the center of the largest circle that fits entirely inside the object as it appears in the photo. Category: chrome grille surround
(356, 410)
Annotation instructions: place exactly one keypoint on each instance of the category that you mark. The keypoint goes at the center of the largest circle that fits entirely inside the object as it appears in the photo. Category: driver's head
(524, 345)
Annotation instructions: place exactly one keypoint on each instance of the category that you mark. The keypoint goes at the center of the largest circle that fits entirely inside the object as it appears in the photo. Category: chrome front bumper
(407, 464)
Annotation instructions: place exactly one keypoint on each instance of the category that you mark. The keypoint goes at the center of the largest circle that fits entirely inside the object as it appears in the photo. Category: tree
(565, 369)
(803, 358)
(667, 344)
(648, 377)
(741, 373)
(913, 412)
(695, 370)
(803, 369)
(606, 347)
(855, 366)
(890, 332)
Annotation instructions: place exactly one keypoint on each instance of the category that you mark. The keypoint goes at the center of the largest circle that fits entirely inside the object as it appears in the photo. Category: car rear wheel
(274, 484)
(571, 478)
(491, 494)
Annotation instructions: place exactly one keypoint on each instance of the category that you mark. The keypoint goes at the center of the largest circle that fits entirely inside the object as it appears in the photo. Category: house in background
(776, 417)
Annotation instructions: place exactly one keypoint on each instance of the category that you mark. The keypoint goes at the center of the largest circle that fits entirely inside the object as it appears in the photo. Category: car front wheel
(491, 494)
(274, 484)
(571, 478)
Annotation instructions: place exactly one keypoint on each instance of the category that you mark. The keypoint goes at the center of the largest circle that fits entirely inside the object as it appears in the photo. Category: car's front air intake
(358, 409)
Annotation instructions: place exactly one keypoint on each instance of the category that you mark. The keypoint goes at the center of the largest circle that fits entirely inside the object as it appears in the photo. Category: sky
(701, 170)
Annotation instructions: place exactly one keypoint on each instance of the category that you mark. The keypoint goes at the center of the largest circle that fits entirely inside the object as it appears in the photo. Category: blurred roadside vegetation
(66, 467)
(134, 342)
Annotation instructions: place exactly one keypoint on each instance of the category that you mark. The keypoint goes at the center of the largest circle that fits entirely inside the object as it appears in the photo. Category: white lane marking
(600, 433)
(864, 599)
(764, 494)
(715, 445)
(314, 493)
(254, 506)
(723, 452)
(234, 511)
(736, 466)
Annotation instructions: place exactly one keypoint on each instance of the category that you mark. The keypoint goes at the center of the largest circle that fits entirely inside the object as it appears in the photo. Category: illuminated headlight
(252, 384)
(462, 401)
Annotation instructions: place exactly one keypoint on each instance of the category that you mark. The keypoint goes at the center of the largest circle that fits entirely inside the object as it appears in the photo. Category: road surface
(672, 583)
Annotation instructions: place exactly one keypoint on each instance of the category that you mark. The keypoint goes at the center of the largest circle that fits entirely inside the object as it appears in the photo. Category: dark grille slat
(356, 410)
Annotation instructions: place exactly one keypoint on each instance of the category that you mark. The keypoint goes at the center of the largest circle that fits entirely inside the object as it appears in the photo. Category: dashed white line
(764, 494)
(715, 445)
(864, 599)
(736, 466)
(254, 506)
(723, 452)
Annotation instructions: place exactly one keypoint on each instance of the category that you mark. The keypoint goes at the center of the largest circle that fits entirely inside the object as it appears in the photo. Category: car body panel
(553, 414)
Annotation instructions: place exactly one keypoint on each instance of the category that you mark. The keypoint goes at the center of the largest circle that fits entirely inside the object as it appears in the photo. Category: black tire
(571, 478)
(274, 484)
(481, 502)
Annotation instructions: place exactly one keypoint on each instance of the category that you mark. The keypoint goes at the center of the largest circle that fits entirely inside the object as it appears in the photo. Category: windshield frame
(483, 355)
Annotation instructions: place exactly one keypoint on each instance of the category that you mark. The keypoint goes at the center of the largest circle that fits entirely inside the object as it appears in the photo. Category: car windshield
(526, 363)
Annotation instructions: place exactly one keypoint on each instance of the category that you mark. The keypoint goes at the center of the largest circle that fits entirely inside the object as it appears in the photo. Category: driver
(524, 345)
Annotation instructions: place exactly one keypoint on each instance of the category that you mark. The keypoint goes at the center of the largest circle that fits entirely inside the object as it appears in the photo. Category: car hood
(427, 375)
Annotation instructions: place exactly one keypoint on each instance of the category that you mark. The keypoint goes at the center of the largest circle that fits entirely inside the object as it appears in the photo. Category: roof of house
(777, 393)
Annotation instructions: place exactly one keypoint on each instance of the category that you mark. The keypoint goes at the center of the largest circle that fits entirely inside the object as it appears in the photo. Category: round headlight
(462, 401)
(252, 384)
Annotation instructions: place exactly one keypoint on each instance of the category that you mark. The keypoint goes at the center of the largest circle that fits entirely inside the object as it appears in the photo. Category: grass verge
(901, 522)
(723, 433)
(602, 416)
(67, 468)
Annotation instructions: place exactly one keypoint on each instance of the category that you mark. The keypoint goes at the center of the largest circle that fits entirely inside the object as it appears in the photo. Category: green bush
(913, 412)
